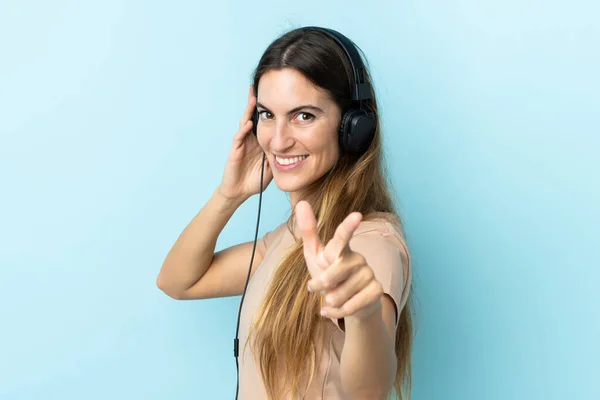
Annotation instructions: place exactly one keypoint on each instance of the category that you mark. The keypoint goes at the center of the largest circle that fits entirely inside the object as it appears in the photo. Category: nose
(281, 138)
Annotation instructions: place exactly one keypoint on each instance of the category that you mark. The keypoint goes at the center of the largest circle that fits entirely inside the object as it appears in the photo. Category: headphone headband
(361, 89)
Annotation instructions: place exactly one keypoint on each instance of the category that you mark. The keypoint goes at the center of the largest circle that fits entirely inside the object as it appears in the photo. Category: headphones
(356, 132)
(358, 123)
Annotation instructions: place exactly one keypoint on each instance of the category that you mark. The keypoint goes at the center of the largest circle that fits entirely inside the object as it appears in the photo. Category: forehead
(288, 88)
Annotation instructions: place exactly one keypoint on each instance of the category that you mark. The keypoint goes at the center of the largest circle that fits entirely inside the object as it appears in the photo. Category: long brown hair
(288, 321)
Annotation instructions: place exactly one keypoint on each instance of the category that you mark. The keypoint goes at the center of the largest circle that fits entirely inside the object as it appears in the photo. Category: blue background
(116, 118)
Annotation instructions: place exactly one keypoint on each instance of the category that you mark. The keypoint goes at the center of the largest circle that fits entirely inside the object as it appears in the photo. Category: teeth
(289, 161)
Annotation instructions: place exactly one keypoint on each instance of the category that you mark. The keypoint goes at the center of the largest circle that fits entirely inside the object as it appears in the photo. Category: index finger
(341, 238)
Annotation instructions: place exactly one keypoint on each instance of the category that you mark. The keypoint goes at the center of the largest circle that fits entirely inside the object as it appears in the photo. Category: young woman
(327, 311)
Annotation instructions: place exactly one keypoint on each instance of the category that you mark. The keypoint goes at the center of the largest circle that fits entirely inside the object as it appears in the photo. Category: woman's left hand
(340, 274)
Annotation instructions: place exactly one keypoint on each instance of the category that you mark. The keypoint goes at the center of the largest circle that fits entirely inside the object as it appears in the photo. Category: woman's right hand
(241, 178)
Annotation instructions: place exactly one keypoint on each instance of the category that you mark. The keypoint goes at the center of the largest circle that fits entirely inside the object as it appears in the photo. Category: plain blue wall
(116, 119)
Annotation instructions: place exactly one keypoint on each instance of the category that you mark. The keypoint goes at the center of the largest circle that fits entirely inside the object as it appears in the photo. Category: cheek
(332, 147)
(325, 141)
(326, 156)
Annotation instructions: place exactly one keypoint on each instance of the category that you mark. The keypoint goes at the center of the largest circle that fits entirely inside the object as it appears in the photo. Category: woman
(327, 312)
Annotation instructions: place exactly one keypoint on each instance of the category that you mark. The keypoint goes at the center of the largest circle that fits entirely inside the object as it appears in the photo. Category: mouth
(289, 163)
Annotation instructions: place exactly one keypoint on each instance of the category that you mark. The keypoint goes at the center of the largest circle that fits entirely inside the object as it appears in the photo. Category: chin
(290, 185)
(295, 183)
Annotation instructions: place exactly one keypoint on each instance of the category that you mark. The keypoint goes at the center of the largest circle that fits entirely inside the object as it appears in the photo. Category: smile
(286, 164)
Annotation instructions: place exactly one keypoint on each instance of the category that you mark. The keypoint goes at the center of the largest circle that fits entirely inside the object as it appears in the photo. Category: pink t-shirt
(384, 249)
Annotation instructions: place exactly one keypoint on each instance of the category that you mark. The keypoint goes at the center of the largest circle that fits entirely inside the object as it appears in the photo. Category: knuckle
(358, 260)
(328, 253)
(348, 309)
(378, 288)
(361, 259)
(367, 273)
(332, 300)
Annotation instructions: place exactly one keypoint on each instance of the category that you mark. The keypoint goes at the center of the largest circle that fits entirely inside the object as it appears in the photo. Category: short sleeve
(386, 253)
(271, 239)
(263, 243)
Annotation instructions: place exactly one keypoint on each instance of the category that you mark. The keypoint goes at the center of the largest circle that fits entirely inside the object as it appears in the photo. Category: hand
(340, 274)
(241, 178)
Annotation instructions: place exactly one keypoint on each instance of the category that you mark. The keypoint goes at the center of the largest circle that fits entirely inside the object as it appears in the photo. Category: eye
(261, 114)
(304, 116)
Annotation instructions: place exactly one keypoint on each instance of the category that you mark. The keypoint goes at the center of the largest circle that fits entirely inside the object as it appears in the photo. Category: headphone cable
(236, 341)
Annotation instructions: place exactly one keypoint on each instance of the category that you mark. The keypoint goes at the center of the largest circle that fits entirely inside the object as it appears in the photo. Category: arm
(368, 360)
(191, 270)
(361, 283)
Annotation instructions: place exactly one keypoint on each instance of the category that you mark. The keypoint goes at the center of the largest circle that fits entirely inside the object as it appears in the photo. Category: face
(297, 129)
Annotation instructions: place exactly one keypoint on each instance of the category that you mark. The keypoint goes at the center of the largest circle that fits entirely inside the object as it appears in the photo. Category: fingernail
(323, 312)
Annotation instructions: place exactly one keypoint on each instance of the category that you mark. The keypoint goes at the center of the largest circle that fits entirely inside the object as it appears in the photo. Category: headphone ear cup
(344, 127)
(357, 130)
(255, 122)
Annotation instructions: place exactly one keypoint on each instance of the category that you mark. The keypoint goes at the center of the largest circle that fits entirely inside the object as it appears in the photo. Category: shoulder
(380, 224)
(380, 240)
(275, 234)
(381, 232)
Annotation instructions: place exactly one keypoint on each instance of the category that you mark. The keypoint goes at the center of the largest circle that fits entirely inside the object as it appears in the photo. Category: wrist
(373, 312)
(227, 200)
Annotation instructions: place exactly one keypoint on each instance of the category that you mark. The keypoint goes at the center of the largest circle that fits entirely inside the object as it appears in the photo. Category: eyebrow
(295, 109)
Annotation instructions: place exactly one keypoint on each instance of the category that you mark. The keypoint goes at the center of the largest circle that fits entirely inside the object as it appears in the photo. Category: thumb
(307, 224)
